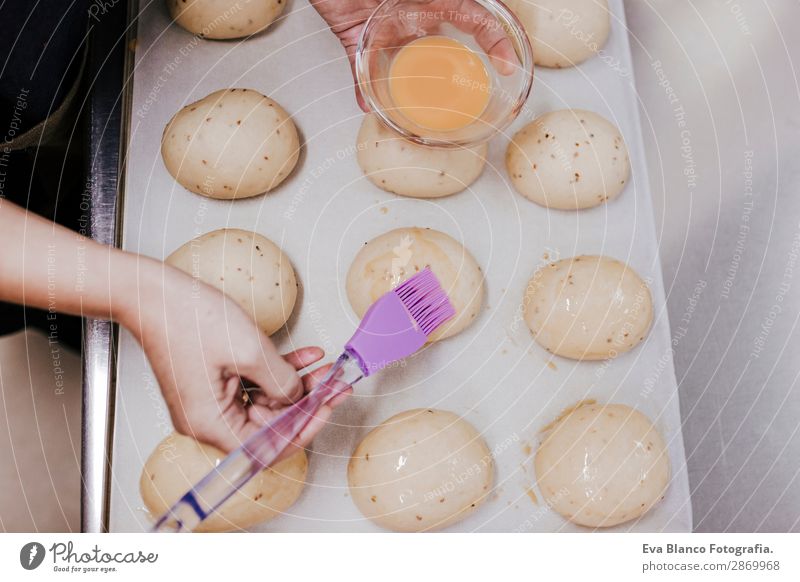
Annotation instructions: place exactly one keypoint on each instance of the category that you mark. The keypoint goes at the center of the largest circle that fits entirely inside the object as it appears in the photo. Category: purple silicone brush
(395, 326)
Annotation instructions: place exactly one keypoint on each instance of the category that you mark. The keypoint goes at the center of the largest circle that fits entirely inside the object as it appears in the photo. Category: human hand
(346, 19)
(199, 342)
(201, 345)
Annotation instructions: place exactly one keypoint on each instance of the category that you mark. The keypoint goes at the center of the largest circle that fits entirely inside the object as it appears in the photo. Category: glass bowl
(395, 23)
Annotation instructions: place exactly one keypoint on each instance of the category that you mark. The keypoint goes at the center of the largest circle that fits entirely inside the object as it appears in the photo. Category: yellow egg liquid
(438, 83)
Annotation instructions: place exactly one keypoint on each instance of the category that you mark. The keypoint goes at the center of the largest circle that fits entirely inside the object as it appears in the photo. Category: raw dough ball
(602, 465)
(388, 260)
(588, 307)
(402, 167)
(568, 159)
(235, 143)
(179, 462)
(563, 33)
(420, 470)
(223, 19)
(248, 268)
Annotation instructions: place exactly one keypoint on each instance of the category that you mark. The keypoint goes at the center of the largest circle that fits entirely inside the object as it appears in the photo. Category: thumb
(487, 31)
(276, 377)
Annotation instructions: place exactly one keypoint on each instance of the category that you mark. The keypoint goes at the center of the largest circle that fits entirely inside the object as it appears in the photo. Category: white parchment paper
(493, 373)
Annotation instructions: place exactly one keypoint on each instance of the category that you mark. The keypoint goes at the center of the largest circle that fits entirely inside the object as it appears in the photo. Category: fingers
(304, 357)
(487, 31)
(231, 433)
(258, 416)
(276, 376)
(227, 434)
(226, 441)
(235, 427)
(279, 381)
(311, 379)
(322, 416)
(314, 377)
(299, 359)
(503, 57)
(337, 400)
(319, 420)
(316, 424)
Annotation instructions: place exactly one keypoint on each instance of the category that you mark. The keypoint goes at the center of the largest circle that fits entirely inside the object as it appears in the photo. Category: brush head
(399, 323)
(426, 301)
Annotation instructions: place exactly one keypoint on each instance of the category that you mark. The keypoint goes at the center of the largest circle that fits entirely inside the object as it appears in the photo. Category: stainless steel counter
(721, 116)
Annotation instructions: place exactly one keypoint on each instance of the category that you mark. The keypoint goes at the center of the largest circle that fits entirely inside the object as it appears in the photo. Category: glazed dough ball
(235, 143)
(224, 19)
(602, 465)
(179, 462)
(388, 260)
(568, 159)
(588, 308)
(420, 470)
(402, 167)
(248, 268)
(563, 33)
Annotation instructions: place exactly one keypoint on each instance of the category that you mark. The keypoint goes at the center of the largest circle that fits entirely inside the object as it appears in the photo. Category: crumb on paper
(527, 448)
(552, 365)
(510, 337)
(384, 210)
(532, 495)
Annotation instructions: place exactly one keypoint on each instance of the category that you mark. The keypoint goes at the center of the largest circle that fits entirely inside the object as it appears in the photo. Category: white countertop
(729, 239)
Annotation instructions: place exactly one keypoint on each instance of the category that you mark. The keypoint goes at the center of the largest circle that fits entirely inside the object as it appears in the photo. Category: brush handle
(258, 452)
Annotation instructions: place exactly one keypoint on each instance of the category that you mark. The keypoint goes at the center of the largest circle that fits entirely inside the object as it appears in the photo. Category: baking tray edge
(110, 67)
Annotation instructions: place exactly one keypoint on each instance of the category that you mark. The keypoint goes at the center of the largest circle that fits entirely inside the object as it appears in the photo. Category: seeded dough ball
(235, 143)
(568, 159)
(600, 466)
(588, 307)
(388, 260)
(179, 462)
(405, 168)
(248, 268)
(563, 33)
(224, 19)
(420, 470)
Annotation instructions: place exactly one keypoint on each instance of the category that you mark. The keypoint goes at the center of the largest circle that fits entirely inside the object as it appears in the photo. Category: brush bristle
(425, 299)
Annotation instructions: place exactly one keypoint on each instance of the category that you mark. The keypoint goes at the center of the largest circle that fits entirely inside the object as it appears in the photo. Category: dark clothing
(42, 44)
(41, 48)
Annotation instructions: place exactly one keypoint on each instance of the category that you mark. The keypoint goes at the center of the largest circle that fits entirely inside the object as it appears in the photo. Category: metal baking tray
(493, 373)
